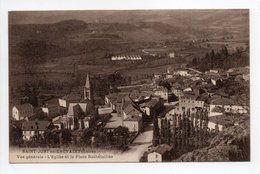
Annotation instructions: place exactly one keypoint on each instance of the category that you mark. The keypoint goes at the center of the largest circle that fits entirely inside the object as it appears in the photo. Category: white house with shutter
(20, 112)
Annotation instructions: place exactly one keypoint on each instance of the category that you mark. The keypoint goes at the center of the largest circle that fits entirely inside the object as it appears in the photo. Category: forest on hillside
(221, 59)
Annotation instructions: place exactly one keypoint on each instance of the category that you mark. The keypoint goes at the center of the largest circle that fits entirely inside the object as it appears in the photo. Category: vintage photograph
(129, 86)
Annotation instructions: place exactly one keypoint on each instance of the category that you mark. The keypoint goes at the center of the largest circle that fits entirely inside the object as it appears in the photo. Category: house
(182, 72)
(177, 92)
(169, 75)
(63, 122)
(189, 89)
(115, 100)
(133, 123)
(140, 96)
(246, 77)
(126, 57)
(20, 112)
(162, 92)
(219, 122)
(132, 117)
(114, 122)
(228, 105)
(216, 80)
(190, 102)
(152, 106)
(86, 122)
(157, 76)
(51, 108)
(216, 71)
(171, 55)
(32, 128)
(160, 153)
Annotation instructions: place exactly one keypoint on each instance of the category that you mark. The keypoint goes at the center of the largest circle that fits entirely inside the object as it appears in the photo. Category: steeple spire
(87, 92)
(87, 84)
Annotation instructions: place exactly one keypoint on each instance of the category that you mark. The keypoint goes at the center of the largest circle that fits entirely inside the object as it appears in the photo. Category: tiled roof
(131, 110)
(162, 149)
(222, 101)
(72, 97)
(52, 102)
(76, 108)
(151, 103)
(222, 120)
(133, 118)
(22, 107)
(35, 125)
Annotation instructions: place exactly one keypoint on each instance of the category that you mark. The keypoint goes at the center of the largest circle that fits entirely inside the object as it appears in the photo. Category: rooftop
(35, 125)
(222, 101)
(114, 122)
(131, 110)
(25, 106)
(161, 149)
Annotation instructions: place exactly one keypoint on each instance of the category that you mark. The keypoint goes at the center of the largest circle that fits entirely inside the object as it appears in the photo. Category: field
(55, 46)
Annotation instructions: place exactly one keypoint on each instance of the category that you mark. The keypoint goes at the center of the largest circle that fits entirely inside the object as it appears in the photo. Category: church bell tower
(87, 91)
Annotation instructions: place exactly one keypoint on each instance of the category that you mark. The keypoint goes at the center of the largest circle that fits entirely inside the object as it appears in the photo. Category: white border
(200, 168)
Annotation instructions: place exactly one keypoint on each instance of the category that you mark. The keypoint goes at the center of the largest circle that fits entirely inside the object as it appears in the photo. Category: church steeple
(87, 92)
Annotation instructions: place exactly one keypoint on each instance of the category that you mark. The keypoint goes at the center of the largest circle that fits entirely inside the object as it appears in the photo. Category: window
(156, 156)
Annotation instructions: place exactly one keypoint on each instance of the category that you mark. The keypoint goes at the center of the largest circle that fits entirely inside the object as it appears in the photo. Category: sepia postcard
(129, 86)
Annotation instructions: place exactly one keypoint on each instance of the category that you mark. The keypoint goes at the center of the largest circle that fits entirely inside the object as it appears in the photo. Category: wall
(152, 157)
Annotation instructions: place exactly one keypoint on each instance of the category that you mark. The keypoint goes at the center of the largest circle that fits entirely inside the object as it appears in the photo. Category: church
(79, 107)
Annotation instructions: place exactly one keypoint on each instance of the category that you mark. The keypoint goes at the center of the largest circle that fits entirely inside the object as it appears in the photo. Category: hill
(232, 144)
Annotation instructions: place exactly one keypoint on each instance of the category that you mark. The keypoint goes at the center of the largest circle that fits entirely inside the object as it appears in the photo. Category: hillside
(232, 144)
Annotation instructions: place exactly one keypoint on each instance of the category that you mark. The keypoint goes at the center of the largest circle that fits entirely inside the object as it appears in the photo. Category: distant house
(189, 89)
(114, 122)
(133, 123)
(152, 106)
(162, 92)
(19, 112)
(228, 105)
(246, 77)
(63, 122)
(32, 128)
(157, 76)
(115, 100)
(169, 75)
(216, 80)
(126, 57)
(216, 71)
(190, 102)
(177, 92)
(85, 123)
(132, 117)
(181, 72)
(171, 55)
(51, 108)
(160, 153)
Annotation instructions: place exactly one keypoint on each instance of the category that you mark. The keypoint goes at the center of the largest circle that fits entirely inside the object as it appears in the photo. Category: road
(139, 145)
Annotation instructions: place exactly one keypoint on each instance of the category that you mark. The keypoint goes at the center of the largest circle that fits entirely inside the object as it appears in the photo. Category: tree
(86, 137)
(165, 84)
(174, 130)
(15, 135)
(32, 52)
(156, 133)
(66, 136)
(121, 135)
(40, 114)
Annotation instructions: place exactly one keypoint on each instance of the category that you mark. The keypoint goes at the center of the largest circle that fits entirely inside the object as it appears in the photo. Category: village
(178, 111)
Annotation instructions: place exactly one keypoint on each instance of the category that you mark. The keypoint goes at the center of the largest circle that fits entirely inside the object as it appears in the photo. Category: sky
(42, 17)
